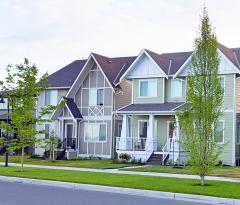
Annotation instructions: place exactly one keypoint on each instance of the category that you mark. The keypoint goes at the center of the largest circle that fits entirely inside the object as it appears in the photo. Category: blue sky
(53, 33)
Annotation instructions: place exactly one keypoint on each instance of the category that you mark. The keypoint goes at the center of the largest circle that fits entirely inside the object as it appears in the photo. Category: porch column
(124, 133)
(150, 133)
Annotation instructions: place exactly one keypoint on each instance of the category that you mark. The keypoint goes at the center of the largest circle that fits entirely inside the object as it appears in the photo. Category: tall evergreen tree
(204, 100)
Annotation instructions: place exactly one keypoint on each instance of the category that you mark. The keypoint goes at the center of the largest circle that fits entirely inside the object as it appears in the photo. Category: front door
(69, 134)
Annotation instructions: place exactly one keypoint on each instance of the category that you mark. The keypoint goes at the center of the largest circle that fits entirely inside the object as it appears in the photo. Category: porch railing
(68, 143)
(132, 143)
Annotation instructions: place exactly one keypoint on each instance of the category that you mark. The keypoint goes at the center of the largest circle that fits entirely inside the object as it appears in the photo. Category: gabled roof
(113, 68)
(66, 76)
(73, 108)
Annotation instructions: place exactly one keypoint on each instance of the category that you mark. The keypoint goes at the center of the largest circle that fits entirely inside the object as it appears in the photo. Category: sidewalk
(116, 171)
(128, 191)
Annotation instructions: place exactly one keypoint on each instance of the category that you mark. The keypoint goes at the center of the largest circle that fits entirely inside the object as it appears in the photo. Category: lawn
(223, 171)
(81, 163)
(188, 186)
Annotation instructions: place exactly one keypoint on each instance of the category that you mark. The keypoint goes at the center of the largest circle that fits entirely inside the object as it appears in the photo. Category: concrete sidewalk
(116, 171)
(128, 191)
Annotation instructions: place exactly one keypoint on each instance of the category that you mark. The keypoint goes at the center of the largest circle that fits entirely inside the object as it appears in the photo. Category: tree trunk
(202, 180)
(22, 159)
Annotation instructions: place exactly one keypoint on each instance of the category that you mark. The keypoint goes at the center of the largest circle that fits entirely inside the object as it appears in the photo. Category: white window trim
(223, 142)
(44, 96)
(98, 88)
(224, 83)
(139, 121)
(147, 80)
(94, 123)
(174, 79)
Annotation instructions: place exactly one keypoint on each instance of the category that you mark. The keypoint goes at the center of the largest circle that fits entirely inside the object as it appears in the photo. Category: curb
(129, 191)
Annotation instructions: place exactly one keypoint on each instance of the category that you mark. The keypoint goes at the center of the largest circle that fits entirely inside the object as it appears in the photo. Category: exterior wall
(228, 99)
(160, 92)
(168, 97)
(96, 148)
(238, 95)
(123, 97)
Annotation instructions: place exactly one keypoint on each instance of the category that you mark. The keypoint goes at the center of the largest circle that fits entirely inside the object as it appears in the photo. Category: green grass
(81, 163)
(223, 171)
(188, 186)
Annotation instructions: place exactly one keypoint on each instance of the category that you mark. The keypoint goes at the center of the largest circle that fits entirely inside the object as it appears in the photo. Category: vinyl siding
(168, 97)
(238, 95)
(123, 97)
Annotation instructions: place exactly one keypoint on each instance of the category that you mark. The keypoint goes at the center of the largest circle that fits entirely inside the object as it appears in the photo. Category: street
(25, 194)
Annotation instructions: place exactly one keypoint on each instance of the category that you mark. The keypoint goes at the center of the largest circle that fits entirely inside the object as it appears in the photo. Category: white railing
(149, 149)
(131, 143)
(167, 149)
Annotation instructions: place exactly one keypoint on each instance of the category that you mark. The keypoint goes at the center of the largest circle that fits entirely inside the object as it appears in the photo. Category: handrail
(150, 150)
(166, 149)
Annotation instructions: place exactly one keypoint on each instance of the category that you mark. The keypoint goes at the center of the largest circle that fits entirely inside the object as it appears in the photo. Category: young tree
(23, 88)
(204, 100)
(51, 144)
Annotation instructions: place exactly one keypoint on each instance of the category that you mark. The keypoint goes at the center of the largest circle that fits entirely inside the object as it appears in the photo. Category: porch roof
(73, 108)
(150, 108)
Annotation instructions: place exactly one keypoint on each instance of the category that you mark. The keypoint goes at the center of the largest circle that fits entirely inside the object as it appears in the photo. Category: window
(47, 131)
(176, 88)
(238, 133)
(142, 129)
(148, 88)
(95, 132)
(50, 97)
(219, 132)
(5, 104)
(95, 97)
(222, 81)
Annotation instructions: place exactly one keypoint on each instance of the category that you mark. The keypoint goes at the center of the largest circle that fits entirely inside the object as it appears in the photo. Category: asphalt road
(25, 194)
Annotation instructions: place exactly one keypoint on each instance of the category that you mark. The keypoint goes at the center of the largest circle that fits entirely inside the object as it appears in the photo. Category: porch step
(155, 159)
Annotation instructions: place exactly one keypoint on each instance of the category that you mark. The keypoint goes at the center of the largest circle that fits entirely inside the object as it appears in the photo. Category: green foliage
(22, 88)
(51, 144)
(125, 157)
(204, 100)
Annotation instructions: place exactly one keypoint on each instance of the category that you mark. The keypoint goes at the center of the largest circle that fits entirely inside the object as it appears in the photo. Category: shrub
(125, 157)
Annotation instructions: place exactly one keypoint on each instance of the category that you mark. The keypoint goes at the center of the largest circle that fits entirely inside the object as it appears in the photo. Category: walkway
(116, 171)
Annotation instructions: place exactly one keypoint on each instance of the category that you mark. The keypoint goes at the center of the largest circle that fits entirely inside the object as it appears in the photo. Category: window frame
(139, 121)
(147, 80)
(96, 103)
(238, 133)
(223, 140)
(172, 80)
(49, 130)
(51, 97)
(224, 83)
(95, 123)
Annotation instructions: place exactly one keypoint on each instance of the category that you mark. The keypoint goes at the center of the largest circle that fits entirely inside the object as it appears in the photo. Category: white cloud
(52, 33)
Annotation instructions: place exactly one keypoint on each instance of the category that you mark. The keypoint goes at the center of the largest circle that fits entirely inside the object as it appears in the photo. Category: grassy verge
(188, 186)
(83, 163)
(223, 171)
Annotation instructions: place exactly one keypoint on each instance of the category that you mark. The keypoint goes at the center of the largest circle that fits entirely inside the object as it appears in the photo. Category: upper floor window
(222, 81)
(50, 97)
(219, 132)
(95, 132)
(176, 88)
(5, 104)
(148, 88)
(47, 131)
(95, 97)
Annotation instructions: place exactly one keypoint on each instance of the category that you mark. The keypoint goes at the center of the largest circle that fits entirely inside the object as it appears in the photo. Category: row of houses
(127, 105)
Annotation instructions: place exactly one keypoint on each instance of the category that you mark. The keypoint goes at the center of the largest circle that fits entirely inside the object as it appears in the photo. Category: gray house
(92, 92)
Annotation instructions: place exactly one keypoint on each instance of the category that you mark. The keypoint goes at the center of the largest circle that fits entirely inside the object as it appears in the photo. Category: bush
(125, 157)
(35, 156)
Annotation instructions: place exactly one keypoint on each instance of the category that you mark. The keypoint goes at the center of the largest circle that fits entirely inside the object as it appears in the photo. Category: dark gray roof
(67, 75)
(73, 108)
(153, 107)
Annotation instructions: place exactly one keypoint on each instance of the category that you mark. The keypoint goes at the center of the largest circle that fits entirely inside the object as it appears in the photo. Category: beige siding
(124, 96)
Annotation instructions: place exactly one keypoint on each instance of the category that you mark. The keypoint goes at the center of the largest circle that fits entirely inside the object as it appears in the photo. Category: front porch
(144, 135)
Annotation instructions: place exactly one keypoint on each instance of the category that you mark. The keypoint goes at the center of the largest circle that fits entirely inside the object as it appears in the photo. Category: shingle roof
(113, 68)
(73, 108)
(66, 76)
(153, 107)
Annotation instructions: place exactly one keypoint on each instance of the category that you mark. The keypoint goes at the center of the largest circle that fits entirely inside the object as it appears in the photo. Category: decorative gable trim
(91, 56)
(235, 69)
(143, 52)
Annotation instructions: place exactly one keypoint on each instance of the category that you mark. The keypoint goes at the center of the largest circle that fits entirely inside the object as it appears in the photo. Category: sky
(53, 33)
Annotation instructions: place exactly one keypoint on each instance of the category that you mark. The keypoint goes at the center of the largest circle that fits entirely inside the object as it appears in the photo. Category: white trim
(58, 88)
(224, 83)
(136, 60)
(147, 112)
(148, 80)
(234, 123)
(95, 123)
(183, 65)
(163, 93)
(97, 118)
